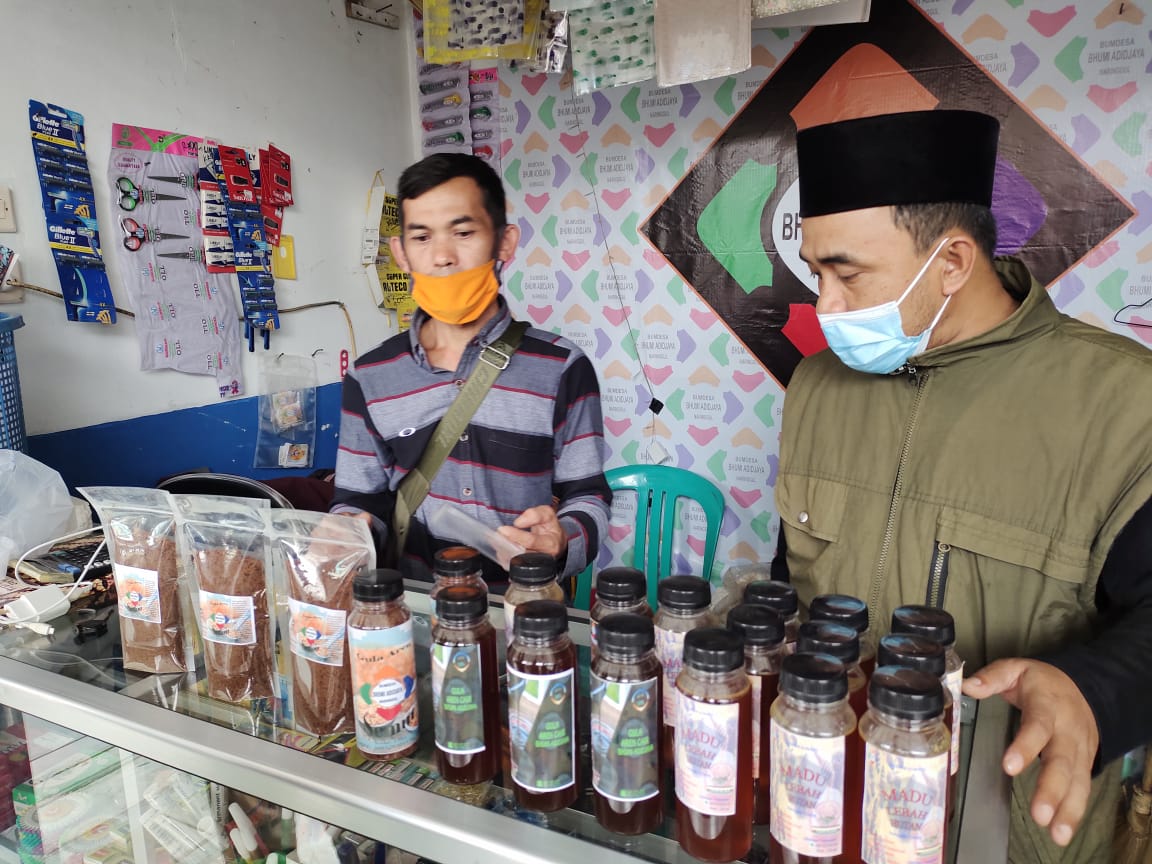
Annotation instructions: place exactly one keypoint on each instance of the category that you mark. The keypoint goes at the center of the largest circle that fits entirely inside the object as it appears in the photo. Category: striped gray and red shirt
(538, 438)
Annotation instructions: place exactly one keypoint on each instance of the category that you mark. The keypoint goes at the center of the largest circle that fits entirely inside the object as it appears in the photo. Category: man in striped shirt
(531, 462)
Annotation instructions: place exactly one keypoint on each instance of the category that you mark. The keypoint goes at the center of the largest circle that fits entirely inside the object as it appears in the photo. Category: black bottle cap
(621, 585)
(532, 568)
(759, 625)
(375, 586)
(625, 633)
(912, 652)
(828, 637)
(906, 693)
(813, 678)
(840, 608)
(540, 619)
(775, 595)
(926, 621)
(456, 561)
(713, 649)
(684, 593)
(461, 603)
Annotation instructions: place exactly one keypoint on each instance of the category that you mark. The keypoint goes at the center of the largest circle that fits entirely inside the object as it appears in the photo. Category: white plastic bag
(34, 502)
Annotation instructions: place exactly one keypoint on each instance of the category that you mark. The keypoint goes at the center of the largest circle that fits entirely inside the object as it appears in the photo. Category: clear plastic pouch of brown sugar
(223, 543)
(140, 530)
(316, 557)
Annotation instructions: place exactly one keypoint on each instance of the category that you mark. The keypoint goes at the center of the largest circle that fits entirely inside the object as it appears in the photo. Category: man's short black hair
(927, 223)
(438, 169)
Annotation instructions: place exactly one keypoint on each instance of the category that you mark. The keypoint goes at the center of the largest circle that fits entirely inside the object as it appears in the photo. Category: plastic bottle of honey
(763, 632)
(465, 689)
(383, 662)
(627, 760)
(618, 589)
(852, 612)
(456, 565)
(782, 597)
(714, 748)
(542, 708)
(531, 576)
(810, 727)
(916, 652)
(939, 626)
(906, 768)
(682, 606)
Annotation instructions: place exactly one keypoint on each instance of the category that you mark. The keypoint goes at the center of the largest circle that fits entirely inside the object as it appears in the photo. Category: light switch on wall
(7, 214)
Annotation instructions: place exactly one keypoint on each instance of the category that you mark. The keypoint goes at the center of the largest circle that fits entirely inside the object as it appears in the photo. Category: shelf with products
(168, 719)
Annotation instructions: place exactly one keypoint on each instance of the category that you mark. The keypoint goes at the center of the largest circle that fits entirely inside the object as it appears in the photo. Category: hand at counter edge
(1056, 725)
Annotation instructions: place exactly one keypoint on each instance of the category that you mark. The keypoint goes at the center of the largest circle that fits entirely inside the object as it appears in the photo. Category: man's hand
(1058, 726)
(538, 529)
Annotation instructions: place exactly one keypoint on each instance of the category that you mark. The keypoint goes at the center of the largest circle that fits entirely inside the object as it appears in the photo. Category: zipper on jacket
(938, 577)
(918, 379)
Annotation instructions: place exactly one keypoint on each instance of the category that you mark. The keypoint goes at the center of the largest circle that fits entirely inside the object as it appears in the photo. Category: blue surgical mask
(873, 339)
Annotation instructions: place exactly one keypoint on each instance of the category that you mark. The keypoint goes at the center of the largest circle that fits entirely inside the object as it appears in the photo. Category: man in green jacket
(965, 445)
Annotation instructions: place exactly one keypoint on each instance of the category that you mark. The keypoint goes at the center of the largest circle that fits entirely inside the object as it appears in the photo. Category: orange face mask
(459, 298)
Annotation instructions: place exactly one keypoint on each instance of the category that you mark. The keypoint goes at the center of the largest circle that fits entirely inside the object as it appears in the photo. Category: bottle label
(384, 688)
(953, 680)
(542, 727)
(807, 792)
(670, 653)
(458, 698)
(904, 803)
(316, 633)
(625, 739)
(227, 619)
(138, 591)
(707, 746)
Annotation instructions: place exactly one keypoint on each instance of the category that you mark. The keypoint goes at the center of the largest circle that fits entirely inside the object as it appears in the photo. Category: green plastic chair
(657, 488)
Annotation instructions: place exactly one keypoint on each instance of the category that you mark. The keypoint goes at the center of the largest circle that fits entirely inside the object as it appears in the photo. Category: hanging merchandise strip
(70, 212)
(612, 44)
(186, 316)
(480, 29)
(484, 113)
(695, 42)
(444, 101)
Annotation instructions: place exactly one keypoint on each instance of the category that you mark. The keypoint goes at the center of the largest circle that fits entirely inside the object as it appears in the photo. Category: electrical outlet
(7, 214)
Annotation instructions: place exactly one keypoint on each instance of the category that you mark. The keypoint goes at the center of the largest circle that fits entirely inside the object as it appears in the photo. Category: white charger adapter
(43, 604)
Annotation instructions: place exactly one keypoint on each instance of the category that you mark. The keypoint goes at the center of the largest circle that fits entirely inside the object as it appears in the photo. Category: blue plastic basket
(12, 435)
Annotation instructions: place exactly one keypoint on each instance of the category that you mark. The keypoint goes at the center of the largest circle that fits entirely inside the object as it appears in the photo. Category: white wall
(332, 92)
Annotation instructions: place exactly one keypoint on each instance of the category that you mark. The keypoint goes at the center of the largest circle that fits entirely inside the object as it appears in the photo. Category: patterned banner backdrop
(660, 231)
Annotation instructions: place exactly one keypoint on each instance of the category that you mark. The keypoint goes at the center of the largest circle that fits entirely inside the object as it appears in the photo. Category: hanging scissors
(132, 196)
(136, 235)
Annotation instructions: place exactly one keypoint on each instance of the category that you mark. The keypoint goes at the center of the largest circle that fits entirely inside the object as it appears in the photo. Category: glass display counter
(73, 684)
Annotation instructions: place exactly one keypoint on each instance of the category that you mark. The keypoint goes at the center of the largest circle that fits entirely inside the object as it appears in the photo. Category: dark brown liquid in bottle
(469, 768)
(723, 838)
(534, 662)
(854, 773)
(762, 806)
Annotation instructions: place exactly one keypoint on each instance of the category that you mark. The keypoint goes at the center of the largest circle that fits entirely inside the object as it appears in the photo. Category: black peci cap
(828, 637)
(912, 652)
(759, 625)
(926, 621)
(713, 649)
(625, 633)
(376, 586)
(461, 603)
(532, 568)
(621, 585)
(813, 678)
(913, 157)
(841, 608)
(456, 561)
(540, 619)
(775, 595)
(906, 693)
(684, 593)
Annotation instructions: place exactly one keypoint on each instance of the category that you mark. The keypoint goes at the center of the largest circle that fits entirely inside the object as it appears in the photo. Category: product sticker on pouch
(542, 729)
(227, 619)
(625, 739)
(707, 736)
(807, 793)
(384, 688)
(457, 698)
(904, 807)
